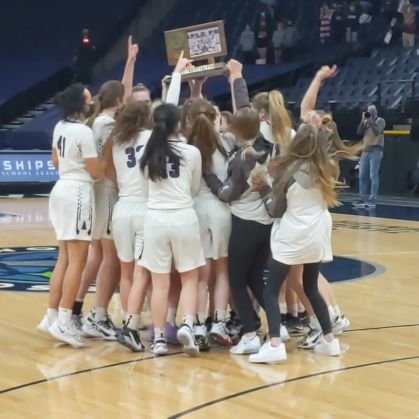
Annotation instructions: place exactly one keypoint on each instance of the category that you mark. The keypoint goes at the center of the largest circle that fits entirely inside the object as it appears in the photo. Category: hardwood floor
(377, 376)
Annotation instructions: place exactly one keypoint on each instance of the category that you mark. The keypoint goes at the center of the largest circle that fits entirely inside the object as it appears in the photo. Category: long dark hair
(71, 100)
(132, 119)
(202, 132)
(159, 150)
(107, 97)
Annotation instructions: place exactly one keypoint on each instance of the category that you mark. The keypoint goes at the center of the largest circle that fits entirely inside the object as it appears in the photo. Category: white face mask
(266, 131)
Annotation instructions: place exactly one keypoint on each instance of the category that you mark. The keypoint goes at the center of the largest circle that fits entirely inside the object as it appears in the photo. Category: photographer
(371, 128)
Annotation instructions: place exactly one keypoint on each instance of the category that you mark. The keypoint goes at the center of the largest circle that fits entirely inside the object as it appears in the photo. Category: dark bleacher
(40, 37)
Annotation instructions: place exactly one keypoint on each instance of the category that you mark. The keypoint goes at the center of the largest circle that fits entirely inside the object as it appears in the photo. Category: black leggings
(248, 253)
(277, 274)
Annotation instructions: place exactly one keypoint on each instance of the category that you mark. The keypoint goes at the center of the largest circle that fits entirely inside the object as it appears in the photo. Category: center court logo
(30, 268)
(26, 268)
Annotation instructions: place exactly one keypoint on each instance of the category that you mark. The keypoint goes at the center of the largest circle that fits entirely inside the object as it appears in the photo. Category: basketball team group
(209, 218)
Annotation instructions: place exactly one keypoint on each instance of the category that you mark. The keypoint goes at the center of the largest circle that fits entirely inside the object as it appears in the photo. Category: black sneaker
(305, 320)
(208, 323)
(293, 324)
(310, 340)
(131, 339)
(234, 327)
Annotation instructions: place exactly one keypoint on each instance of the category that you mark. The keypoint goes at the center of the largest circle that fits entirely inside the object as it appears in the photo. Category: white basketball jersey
(182, 183)
(219, 168)
(102, 128)
(73, 142)
(126, 162)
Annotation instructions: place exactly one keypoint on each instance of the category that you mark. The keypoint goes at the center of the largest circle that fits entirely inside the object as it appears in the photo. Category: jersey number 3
(61, 146)
(131, 153)
(173, 168)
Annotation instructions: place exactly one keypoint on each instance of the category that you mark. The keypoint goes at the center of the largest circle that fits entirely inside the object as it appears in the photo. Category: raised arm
(128, 76)
(173, 93)
(238, 86)
(196, 173)
(308, 103)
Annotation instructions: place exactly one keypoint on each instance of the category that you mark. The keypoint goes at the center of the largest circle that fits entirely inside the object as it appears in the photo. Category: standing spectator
(371, 128)
(389, 9)
(247, 45)
(326, 15)
(278, 42)
(352, 23)
(262, 41)
(409, 23)
(291, 39)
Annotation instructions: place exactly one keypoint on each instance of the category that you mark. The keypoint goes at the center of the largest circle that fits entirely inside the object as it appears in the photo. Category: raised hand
(235, 69)
(182, 63)
(133, 49)
(327, 72)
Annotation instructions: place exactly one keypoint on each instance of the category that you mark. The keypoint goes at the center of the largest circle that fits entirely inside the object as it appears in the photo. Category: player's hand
(182, 63)
(235, 69)
(258, 182)
(326, 72)
(133, 49)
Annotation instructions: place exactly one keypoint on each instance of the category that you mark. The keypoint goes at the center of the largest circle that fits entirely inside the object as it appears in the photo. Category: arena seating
(385, 78)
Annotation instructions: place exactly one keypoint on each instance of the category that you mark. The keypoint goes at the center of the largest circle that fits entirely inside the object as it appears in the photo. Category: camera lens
(367, 115)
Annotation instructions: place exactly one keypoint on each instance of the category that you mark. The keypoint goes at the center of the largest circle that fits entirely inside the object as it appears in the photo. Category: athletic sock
(219, 315)
(52, 314)
(332, 314)
(133, 321)
(100, 314)
(283, 308)
(77, 307)
(337, 311)
(294, 310)
(158, 333)
(64, 316)
(189, 320)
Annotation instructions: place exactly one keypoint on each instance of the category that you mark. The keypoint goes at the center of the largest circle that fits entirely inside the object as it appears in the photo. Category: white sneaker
(246, 346)
(310, 340)
(346, 322)
(331, 348)
(219, 334)
(90, 328)
(187, 339)
(44, 325)
(159, 347)
(66, 334)
(283, 332)
(269, 354)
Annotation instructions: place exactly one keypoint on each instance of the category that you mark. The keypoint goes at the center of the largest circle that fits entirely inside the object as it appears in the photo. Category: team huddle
(185, 206)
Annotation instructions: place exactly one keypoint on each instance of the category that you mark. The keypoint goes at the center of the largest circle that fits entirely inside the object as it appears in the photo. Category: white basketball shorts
(172, 235)
(128, 228)
(215, 226)
(105, 199)
(71, 212)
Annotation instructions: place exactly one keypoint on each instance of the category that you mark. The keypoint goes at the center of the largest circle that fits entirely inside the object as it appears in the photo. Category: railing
(412, 83)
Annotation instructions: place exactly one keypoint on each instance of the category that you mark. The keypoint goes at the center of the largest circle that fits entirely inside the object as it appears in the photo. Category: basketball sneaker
(159, 347)
(201, 336)
(246, 346)
(186, 337)
(131, 339)
(219, 334)
(104, 329)
(269, 354)
(359, 204)
(293, 324)
(283, 332)
(234, 327)
(44, 325)
(340, 324)
(67, 334)
(78, 321)
(310, 340)
(331, 348)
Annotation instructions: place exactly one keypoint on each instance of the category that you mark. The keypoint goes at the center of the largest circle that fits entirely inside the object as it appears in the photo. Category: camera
(367, 115)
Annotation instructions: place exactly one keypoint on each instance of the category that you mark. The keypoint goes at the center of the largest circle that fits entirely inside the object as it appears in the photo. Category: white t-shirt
(102, 128)
(74, 143)
(126, 162)
(182, 184)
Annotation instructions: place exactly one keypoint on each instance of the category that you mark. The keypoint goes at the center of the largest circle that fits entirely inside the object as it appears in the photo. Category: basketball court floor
(377, 284)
